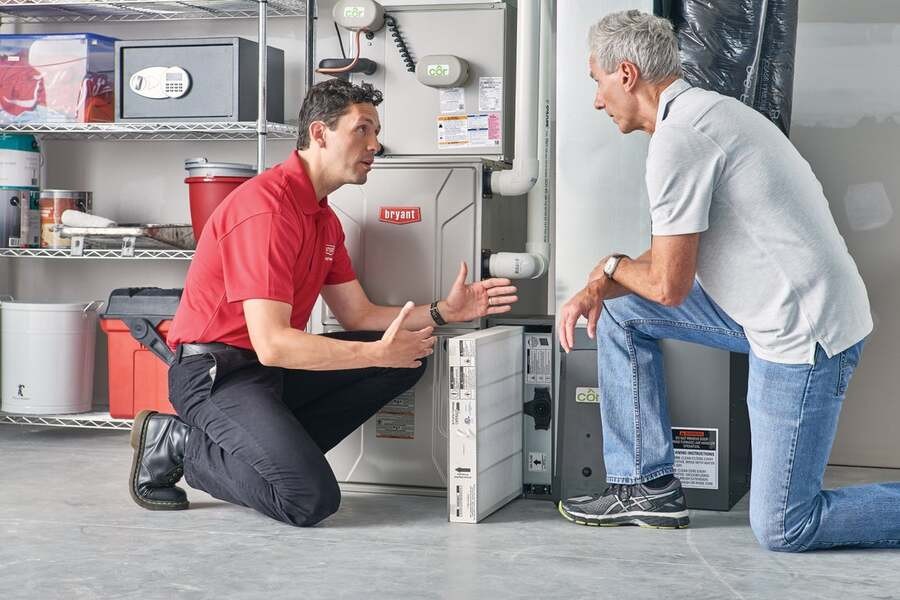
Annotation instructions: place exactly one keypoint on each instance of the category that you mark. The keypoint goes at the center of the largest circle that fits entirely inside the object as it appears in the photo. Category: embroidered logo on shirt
(400, 215)
(329, 252)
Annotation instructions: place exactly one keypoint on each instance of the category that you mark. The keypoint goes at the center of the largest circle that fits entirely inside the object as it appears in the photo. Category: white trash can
(47, 357)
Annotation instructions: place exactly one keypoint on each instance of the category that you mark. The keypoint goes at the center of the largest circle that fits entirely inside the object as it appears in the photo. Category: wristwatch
(612, 263)
(436, 314)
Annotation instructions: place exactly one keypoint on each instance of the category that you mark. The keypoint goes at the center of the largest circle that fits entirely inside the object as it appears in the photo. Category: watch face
(610, 265)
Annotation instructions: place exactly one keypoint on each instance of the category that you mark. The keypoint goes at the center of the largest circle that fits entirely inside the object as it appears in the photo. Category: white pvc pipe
(531, 123)
(517, 265)
(522, 177)
(539, 197)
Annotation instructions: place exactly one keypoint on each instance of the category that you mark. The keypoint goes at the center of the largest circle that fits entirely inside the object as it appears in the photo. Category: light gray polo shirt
(770, 253)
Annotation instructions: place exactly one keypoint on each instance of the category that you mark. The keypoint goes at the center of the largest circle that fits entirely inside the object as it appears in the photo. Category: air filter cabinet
(485, 422)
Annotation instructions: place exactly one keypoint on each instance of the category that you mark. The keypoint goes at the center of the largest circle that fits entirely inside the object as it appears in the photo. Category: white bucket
(47, 357)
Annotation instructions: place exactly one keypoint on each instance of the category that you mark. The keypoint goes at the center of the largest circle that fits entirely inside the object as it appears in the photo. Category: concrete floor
(68, 529)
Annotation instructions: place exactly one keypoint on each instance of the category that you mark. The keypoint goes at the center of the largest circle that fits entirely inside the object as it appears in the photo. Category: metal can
(53, 203)
(30, 219)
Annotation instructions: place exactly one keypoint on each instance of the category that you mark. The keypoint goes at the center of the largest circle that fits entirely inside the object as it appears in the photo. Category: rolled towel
(76, 218)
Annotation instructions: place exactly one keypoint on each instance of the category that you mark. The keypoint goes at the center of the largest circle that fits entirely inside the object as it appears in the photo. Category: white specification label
(587, 394)
(453, 100)
(398, 418)
(537, 462)
(396, 426)
(538, 357)
(484, 130)
(490, 94)
(696, 457)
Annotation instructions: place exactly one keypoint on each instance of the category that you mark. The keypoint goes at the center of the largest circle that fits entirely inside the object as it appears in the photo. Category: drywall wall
(846, 123)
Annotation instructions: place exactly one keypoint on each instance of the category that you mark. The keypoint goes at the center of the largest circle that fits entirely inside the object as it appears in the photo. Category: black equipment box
(199, 79)
(707, 398)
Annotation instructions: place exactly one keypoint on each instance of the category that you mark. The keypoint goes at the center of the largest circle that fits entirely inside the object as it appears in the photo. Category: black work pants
(259, 434)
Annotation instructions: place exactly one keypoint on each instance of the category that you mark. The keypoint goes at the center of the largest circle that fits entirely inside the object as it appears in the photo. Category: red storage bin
(136, 321)
(138, 379)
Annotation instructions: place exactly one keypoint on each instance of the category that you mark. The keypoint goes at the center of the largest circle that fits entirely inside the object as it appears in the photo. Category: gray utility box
(539, 391)
(707, 393)
(475, 119)
(222, 80)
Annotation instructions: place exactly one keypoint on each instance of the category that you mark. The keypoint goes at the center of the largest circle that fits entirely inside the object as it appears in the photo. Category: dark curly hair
(328, 100)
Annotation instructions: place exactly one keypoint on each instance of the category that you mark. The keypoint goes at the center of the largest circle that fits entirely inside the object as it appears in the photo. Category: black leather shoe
(159, 441)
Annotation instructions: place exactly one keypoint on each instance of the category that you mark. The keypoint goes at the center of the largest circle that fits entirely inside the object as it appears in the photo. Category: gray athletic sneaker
(661, 508)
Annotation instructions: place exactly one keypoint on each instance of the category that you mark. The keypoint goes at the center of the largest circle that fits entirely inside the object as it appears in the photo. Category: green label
(354, 12)
(587, 394)
(438, 70)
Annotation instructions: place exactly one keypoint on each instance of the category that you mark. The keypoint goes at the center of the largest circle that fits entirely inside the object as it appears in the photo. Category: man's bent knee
(769, 530)
(310, 507)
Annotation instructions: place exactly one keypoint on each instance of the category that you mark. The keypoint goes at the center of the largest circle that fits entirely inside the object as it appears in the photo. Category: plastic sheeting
(741, 48)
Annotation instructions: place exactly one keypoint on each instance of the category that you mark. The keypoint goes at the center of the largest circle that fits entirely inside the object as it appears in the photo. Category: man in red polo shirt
(259, 400)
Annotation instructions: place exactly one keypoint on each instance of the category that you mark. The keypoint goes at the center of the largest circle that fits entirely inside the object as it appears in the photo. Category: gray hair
(642, 39)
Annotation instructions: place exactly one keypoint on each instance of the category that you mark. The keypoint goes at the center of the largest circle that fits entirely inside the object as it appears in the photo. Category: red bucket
(206, 194)
(209, 184)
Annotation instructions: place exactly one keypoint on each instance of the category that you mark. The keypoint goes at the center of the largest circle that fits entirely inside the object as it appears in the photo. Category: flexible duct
(740, 48)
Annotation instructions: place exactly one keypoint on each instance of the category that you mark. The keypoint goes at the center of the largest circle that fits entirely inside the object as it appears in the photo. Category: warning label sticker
(696, 457)
(452, 130)
(469, 131)
(398, 418)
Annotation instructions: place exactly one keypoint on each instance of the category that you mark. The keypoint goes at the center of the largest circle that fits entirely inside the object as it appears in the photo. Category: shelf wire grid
(93, 11)
(171, 130)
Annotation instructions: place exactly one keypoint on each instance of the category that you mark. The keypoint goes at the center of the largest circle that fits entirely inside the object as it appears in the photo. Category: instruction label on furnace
(469, 131)
(490, 94)
(538, 359)
(453, 131)
(453, 100)
(696, 457)
(398, 418)
(484, 130)
(537, 462)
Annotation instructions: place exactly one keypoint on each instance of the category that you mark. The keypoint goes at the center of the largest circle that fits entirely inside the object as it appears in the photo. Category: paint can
(53, 203)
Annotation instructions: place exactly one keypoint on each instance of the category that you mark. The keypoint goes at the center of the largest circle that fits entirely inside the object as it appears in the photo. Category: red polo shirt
(269, 239)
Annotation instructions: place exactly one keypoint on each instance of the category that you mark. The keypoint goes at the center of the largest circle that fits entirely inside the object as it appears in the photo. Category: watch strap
(436, 314)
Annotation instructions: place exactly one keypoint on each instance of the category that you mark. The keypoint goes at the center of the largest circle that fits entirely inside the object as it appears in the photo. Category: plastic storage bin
(47, 357)
(136, 321)
(62, 77)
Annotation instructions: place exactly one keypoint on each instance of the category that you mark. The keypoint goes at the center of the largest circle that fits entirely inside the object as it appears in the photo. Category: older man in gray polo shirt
(745, 256)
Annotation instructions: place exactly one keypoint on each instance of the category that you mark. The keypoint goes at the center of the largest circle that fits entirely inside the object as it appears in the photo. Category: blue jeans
(793, 418)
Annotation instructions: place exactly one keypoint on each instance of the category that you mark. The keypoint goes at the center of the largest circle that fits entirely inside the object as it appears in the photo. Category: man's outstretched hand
(465, 302)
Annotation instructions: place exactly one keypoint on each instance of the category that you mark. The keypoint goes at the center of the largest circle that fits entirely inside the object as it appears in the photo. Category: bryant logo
(329, 252)
(400, 215)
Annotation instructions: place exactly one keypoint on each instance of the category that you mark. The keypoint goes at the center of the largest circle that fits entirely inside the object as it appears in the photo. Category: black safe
(198, 79)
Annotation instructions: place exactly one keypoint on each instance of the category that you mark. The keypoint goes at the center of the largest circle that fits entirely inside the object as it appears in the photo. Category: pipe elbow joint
(517, 265)
(517, 181)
